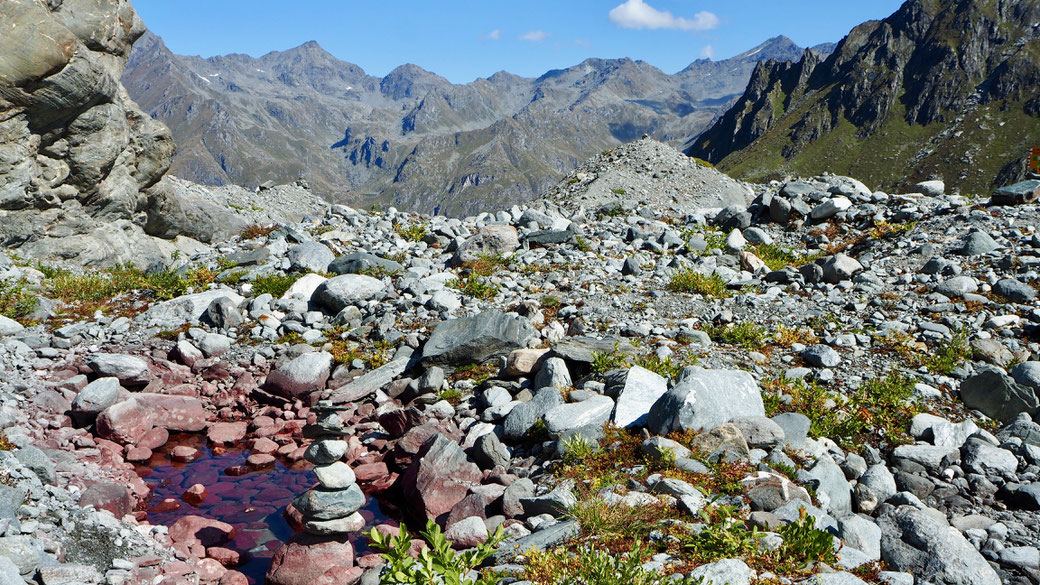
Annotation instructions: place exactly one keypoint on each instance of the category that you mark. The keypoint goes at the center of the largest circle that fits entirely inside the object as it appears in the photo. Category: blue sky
(463, 40)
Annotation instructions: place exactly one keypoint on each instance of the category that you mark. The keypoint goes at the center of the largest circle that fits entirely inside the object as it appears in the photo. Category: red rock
(234, 578)
(236, 470)
(265, 446)
(260, 460)
(209, 569)
(125, 422)
(154, 438)
(261, 421)
(199, 530)
(138, 454)
(108, 496)
(370, 471)
(129, 420)
(293, 517)
(167, 505)
(370, 560)
(184, 453)
(286, 449)
(224, 556)
(176, 568)
(195, 495)
(229, 432)
(438, 478)
(310, 560)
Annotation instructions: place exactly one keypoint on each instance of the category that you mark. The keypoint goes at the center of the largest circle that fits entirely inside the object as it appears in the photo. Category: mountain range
(936, 90)
(412, 138)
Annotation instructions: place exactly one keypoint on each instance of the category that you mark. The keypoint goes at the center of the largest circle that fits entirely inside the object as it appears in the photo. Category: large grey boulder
(1027, 374)
(184, 309)
(128, 369)
(724, 572)
(641, 391)
(998, 396)
(10, 326)
(489, 240)
(704, 399)
(591, 413)
(585, 349)
(94, 398)
(70, 135)
(473, 339)
(840, 267)
(338, 292)
(310, 257)
(302, 378)
(916, 542)
(834, 492)
(526, 414)
(357, 262)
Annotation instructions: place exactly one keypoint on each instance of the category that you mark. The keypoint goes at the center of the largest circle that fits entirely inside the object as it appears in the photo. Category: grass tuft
(690, 281)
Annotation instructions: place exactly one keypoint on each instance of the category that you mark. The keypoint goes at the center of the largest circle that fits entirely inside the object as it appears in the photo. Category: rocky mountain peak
(904, 78)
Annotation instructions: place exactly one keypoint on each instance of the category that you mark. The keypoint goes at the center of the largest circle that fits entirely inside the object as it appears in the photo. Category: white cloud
(534, 36)
(708, 52)
(494, 35)
(640, 15)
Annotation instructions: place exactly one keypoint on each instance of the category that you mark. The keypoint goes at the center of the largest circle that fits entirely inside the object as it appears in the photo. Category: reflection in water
(251, 501)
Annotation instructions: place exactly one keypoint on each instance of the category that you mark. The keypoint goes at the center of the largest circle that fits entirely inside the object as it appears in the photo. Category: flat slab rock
(704, 399)
(474, 339)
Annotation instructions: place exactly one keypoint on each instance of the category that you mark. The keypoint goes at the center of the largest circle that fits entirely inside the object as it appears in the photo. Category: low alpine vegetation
(687, 280)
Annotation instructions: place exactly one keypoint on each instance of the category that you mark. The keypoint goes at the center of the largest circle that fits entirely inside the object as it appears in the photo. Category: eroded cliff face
(80, 164)
(934, 88)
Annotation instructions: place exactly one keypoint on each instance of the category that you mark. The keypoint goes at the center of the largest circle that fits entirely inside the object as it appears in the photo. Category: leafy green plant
(582, 244)
(618, 191)
(745, 334)
(723, 536)
(687, 280)
(437, 563)
(413, 232)
(577, 449)
(16, 302)
(666, 367)
(452, 395)
(614, 210)
(804, 543)
(274, 284)
(474, 286)
(950, 354)
(605, 361)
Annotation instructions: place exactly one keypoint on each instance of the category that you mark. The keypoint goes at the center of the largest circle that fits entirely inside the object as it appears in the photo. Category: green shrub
(690, 281)
(413, 232)
(274, 284)
(745, 334)
(474, 286)
(618, 191)
(437, 563)
(605, 361)
(950, 354)
(16, 302)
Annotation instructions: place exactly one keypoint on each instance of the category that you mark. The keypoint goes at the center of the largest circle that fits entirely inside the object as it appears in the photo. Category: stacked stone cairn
(331, 507)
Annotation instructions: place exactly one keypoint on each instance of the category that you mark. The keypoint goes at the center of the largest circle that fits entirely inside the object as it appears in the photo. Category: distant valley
(413, 139)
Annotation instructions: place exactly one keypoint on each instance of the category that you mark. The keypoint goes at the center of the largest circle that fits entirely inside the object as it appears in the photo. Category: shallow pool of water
(252, 502)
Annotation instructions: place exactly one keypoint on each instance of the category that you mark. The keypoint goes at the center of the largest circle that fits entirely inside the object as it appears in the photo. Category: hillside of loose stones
(456, 360)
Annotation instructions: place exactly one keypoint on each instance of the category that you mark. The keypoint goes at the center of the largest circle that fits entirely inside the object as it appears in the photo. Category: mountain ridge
(925, 93)
(412, 138)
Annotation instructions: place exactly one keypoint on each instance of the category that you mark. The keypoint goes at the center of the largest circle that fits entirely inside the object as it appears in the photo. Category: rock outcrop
(81, 166)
